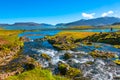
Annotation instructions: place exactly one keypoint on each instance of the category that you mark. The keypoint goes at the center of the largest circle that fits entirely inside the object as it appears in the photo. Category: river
(99, 70)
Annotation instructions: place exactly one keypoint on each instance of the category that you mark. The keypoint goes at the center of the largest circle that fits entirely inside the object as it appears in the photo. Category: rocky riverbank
(94, 65)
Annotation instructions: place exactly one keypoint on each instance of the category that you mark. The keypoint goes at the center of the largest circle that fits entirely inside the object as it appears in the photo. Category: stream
(99, 70)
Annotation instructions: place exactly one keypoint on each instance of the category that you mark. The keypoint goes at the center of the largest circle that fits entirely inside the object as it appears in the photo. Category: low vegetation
(16, 66)
(102, 54)
(109, 38)
(68, 40)
(10, 44)
(45, 56)
(82, 27)
(36, 74)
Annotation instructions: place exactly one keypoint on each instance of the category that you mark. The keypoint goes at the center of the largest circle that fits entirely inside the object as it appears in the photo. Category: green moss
(62, 42)
(45, 56)
(67, 56)
(73, 72)
(67, 40)
(68, 71)
(117, 62)
(62, 68)
(102, 54)
(36, 74)
(109, 38)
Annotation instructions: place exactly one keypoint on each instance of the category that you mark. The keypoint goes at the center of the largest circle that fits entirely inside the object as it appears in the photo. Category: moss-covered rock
(45, 56)
(62, 42)
(68, 71)
(109, 38)
(117, 62)
(62, 67)
(73, 72)
(67, 56)
(102, 54)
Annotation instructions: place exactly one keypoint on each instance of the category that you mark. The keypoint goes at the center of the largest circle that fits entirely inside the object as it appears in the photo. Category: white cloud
(107, 13)
(88, 15)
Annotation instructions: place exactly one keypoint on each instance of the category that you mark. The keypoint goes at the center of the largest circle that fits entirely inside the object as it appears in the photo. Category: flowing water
(99, 70)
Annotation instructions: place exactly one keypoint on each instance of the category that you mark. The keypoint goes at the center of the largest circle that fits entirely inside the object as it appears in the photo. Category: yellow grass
(76, 35)
(9, 35)
(81, 27)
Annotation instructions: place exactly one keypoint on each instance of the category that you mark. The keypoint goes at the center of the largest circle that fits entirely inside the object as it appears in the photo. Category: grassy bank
(67, 40)
(9, 41)
(12, 63)
(36, 74)
(70, 38)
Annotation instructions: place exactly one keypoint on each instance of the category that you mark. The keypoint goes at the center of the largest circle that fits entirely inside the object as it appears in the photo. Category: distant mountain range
(102, 21)
(26, 24)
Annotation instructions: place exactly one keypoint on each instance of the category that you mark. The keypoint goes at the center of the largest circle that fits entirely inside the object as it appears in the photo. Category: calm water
(39, 34)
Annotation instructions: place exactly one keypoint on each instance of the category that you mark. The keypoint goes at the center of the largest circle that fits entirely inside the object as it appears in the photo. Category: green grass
(36, 74)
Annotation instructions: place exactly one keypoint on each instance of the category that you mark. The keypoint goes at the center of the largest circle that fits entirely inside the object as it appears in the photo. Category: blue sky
(56, 11)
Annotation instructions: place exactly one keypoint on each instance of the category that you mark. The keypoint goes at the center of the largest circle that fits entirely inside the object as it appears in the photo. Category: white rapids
(99, 70)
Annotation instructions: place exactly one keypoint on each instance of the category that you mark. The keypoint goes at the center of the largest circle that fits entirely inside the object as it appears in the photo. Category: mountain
(118, 23)
(4, 24)
(30, 24)
(93, 22)
(25, 24)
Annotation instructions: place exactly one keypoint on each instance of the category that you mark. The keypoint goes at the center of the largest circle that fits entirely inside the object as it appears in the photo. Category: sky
(56, 11)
